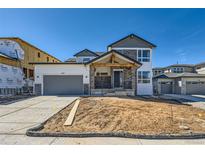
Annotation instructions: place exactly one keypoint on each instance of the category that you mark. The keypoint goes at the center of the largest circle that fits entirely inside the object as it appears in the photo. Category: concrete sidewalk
(25, 140)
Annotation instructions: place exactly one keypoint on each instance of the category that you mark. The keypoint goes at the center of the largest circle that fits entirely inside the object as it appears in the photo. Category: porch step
(119, 93)
(110, 94)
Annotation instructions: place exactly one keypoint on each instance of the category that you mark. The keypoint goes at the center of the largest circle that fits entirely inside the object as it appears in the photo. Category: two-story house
(124, 69)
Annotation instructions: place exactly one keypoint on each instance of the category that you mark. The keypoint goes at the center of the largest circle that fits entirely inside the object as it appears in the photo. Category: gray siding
(177, 88)
(132, 42)
(130, 53)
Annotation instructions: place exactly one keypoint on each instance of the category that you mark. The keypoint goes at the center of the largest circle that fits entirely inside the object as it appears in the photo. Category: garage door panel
(63, 85)
(195, 88)
(166, 87)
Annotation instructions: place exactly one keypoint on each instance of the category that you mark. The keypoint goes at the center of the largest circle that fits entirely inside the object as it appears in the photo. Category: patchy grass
(132, 115)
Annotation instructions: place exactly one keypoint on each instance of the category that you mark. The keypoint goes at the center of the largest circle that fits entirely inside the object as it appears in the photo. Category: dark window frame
(142, 78)
(39, 55)
(142, 57)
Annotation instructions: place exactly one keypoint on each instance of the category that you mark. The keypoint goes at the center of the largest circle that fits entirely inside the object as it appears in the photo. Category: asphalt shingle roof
(176, 75)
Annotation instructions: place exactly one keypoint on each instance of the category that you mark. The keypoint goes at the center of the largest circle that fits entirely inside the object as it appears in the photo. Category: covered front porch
(113, 74)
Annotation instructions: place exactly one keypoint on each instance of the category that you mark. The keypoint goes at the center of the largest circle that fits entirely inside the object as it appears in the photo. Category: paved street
(17, 117)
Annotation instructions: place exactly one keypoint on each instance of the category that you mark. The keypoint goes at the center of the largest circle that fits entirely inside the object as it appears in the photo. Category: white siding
(146, 88)
(143, 88)
(61, 69)
(201, 70)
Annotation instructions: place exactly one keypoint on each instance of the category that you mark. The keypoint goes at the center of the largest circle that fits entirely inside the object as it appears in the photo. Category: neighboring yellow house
(31, 54)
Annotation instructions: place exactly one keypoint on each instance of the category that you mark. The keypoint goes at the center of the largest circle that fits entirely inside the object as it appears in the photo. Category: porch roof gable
(116, 52)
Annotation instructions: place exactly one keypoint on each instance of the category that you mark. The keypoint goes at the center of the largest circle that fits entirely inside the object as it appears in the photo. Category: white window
(143, 55)
(143, 76)
(178, 69)
(181, 70)
(86, 59)
(180, 83)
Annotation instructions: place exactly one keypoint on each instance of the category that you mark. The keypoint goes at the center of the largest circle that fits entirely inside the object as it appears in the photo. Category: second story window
(47, 59)
(31, 73)
(86, 60)
(39, 54)
(25, 72)
(143, 55)
(178, 69)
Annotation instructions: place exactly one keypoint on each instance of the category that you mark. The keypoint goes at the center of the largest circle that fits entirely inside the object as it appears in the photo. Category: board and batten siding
(61, 69)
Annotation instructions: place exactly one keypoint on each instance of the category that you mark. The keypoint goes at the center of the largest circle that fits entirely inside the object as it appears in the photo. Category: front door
(117, 79)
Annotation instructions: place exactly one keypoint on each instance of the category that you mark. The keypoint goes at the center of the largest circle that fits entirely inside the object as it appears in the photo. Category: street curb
(35, 132)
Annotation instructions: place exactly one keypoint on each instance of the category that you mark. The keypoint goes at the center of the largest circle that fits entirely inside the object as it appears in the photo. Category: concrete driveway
(16, 118)
(194, 100)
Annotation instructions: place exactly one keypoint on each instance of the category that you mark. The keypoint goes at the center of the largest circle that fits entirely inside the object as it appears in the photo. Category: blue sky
(178, 33)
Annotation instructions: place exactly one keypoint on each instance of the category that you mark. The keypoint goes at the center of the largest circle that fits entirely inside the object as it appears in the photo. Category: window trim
(39, 55)
(178, 69)
(86, 60)
(142, 58)
(142, 80)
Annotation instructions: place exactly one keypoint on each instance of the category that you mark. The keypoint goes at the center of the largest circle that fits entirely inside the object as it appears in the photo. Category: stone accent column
(92, 77)
(37, 89)
(128, 78)
(111, 74)
(86, 89)
(134, 80)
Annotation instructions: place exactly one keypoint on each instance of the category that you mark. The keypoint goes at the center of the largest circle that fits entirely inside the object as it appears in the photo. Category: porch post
(134, 79)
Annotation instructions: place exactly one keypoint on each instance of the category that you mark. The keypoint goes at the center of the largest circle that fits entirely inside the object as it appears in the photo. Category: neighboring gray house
(176, 68)
(124, 69)
(179, 79)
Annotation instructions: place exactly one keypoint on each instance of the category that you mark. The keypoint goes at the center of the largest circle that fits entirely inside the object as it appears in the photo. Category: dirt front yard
(131, 115)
